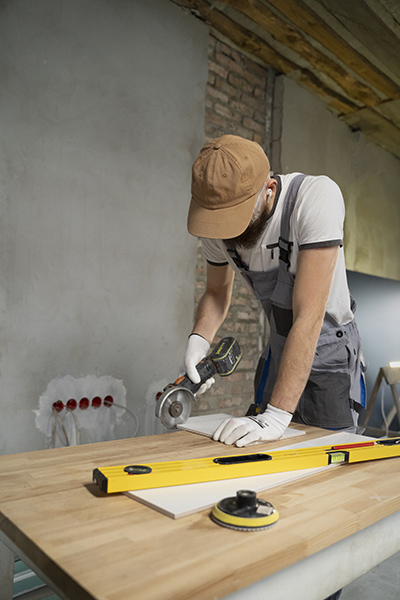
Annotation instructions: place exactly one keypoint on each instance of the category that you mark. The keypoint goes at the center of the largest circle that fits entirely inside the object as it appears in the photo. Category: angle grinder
(175, 403)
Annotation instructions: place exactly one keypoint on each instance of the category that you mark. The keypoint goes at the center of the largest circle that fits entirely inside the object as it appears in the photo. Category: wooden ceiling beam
(255, 45)
(310, 23)
(244, 38)
(291, 38)
(388, 12)
(392, 8)
(357, 106)
(391, 111)
(365, 25)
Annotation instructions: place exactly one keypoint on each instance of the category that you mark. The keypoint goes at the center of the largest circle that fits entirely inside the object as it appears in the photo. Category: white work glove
(266, 427)
(196, 350)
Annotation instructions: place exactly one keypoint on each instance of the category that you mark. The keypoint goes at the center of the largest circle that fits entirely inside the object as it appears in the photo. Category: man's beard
(250, 236)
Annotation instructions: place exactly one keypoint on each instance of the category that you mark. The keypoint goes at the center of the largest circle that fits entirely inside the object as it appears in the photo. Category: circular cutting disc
(245, 512)
(174, 406)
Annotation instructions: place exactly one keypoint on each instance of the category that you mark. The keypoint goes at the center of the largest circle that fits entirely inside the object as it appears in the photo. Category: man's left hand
(266, 427)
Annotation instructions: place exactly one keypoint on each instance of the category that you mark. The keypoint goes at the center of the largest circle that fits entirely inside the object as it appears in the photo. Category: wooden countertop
(113, 548)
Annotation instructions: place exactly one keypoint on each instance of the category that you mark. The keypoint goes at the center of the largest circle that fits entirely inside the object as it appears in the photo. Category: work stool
(391, 375)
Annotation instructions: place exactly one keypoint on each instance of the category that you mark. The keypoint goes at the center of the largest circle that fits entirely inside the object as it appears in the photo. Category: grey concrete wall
(314, 141)
(378, 318)
(101, 116)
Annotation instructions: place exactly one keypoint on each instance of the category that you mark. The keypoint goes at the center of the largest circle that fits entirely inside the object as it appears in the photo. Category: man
(283, 235)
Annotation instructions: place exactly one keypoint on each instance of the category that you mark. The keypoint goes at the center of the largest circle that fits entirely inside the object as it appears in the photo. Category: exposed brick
(202, 406)
(214, 93)
(225, 111)
(243, 316)
(254, 80)
(252, 101)
(223, 60)
(217, 69)
(259, 117)
(211, 78)
(245, 132)
(239, 300)
(230, 52)
(253, 125)
(213, 132)
(257, 69)
(239, 82)
(259, 94)
(239, 327)
(225, 87)
(214, 118)
(246, 364)
(243, 108)
(228, 63)
(236, 376)
(212, 43)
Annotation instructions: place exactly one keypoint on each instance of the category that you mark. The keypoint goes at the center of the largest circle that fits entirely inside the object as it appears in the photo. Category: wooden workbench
(87, 545)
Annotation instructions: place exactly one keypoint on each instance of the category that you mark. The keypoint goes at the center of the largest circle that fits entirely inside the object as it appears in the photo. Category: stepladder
(391, 376)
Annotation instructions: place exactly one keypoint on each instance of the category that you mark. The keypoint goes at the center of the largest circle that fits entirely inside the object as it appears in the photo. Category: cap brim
(220, 223)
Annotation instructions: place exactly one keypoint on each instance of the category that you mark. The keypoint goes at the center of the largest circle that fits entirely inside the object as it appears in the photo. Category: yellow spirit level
(164, 474)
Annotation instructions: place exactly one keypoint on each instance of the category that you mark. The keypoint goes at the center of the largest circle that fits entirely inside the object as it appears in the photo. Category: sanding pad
(245, 512)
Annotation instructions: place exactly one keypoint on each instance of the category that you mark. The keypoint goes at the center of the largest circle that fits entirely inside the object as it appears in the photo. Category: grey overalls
(335, 384)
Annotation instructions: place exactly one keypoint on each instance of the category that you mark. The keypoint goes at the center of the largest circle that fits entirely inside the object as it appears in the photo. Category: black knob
(246, 499)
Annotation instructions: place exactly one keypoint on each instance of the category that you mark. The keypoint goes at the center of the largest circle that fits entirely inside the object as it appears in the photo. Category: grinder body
(175, 404)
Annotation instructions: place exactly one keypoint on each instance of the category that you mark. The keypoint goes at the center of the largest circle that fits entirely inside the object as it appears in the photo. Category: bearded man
(283, 234)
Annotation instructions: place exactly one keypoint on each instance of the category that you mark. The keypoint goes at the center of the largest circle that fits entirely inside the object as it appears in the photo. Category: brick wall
(236, 103)
(235, 94)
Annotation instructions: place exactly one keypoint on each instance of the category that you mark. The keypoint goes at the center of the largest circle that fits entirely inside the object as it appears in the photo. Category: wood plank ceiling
(347, 52)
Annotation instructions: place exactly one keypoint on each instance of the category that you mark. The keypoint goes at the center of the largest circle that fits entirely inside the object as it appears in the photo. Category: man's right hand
(196, 350)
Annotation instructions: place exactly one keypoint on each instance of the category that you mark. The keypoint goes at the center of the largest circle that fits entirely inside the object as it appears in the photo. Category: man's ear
(271, 185)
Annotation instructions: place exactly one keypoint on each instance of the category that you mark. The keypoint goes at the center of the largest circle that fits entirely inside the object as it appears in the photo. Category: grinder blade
(174, 406)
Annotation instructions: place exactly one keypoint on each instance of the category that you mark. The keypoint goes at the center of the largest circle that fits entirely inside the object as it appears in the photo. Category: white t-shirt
(316, 222)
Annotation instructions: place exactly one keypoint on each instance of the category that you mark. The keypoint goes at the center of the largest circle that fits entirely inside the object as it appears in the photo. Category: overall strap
(285, 245)
(234, 256)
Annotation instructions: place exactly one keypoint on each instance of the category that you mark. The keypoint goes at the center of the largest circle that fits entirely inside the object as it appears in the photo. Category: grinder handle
(223, 360)
(206, 369)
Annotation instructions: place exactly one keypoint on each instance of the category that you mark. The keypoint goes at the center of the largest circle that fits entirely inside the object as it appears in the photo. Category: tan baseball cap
(227, 176)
